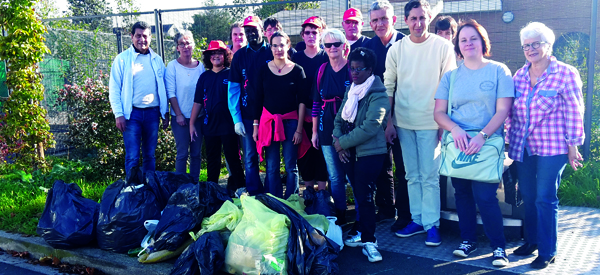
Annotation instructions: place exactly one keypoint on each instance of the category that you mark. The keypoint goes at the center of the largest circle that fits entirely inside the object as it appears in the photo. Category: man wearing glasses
(353, 24)
(243, 80)
(138, 98)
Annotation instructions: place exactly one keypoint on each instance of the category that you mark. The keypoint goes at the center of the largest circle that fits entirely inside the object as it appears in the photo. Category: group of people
(342, 107)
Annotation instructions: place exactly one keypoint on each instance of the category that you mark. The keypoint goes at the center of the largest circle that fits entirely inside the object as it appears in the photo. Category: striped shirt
(548, 117)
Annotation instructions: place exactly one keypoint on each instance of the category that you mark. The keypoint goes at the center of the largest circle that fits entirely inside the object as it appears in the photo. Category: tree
(212, 24)
(88, 8)
(128, 6)
(266, 11)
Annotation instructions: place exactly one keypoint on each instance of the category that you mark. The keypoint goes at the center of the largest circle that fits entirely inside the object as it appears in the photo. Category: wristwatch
(485, 136)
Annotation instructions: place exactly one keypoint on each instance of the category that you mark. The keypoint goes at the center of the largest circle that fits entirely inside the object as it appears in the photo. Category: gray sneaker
(353, 241)
(500, 258)
(370, 250)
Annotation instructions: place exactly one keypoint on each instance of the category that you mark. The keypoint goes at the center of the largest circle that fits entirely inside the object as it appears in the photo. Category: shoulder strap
(452, 78)
(320, 75)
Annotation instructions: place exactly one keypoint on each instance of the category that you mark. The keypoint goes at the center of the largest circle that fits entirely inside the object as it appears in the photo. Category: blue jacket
(120, 86)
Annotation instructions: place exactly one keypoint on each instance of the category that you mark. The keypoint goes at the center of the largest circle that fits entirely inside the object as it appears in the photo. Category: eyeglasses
(534, 45)
(357, 70)
(351, 22)
(335, 44)
(185, 44)
(307, 33)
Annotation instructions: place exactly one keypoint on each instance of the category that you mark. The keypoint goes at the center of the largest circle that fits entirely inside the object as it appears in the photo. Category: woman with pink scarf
(359, 139)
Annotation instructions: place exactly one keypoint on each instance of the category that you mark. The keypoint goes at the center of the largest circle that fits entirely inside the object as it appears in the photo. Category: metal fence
(76, 55)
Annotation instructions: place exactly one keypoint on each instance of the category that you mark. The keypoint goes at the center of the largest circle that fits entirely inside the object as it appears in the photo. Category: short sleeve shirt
(310, 66)
(333, 86)
(280, 94)
(211, 91)
(475, 94)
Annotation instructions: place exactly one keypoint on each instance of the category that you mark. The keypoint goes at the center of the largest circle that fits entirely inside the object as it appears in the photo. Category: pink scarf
(355, 94)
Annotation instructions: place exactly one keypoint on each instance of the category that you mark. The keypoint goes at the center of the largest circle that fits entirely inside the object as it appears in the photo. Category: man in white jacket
(138, 98)
(413, 69)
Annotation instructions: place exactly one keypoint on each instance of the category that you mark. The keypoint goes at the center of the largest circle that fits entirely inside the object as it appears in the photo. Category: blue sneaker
(411, 229)
(433, 237)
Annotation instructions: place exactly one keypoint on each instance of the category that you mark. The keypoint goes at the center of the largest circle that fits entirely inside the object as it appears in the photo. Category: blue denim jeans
(253, 183)
(186, 148)
(141, 132)
(422, 167)
(337, 176)
(539, 178)
(467, 194)
(290, 157)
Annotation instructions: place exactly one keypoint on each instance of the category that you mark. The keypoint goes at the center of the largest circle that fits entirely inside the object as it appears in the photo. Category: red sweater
(266, 133)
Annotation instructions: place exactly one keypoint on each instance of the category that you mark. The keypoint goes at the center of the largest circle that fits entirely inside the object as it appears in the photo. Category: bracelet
(178, 115)
(255, 124)
(298, 132)
(453, 127)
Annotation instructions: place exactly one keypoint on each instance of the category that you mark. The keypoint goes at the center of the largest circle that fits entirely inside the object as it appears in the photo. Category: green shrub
(581, 187)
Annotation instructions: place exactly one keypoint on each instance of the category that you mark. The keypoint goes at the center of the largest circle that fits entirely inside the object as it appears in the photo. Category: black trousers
(401, 188)
(384, 197)
(362, 173)
(312, 165)
(231, 149)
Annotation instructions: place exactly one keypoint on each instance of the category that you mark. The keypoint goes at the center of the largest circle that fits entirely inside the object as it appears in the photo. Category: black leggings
(230, 144)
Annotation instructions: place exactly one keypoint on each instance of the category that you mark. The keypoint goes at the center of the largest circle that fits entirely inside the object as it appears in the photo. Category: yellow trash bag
(227, 217)
(258, 245)
(317, 221)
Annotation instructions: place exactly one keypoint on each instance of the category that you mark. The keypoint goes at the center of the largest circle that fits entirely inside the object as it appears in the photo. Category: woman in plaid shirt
(544, 129)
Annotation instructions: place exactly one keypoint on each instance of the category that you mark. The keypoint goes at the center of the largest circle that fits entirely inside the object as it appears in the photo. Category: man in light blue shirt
(138, 98)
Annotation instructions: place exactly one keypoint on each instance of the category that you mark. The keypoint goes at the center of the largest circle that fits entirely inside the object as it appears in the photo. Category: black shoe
(399, 224)
(526, 249)
(542, 262)
(354, 230)
(341, 217)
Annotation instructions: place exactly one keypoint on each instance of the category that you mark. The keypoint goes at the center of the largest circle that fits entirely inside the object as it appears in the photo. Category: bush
(581, 187)
(92, 126)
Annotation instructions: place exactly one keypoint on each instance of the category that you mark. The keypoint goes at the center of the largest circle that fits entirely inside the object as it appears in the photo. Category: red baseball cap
(215, 45)
(353, 14)
(252, 21)
(313, 20)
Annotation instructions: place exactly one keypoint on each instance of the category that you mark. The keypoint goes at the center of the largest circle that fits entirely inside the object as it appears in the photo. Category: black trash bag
(69, 220)
(166, 183)
(135, 176)
(309, 251)
(510, 179)
(184, 213)
(123, 210)
(205, 256)
(319, 202)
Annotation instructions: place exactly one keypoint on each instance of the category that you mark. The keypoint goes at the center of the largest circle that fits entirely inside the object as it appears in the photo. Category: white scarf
(355, 94)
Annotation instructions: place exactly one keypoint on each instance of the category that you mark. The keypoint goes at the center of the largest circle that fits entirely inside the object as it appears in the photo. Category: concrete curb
(108, 262)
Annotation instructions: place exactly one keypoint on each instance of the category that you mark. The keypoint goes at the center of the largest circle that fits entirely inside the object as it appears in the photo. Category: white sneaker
(353, 241)
(500, 259)
(370, 250)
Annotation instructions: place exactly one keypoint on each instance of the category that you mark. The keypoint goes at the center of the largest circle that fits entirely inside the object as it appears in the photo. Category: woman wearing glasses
(279, 115)
(359, 139)
(327, 94)
(545, 128)
(312, 166)
(180, 81)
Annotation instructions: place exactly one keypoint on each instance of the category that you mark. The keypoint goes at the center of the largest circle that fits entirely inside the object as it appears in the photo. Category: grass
(581, 187)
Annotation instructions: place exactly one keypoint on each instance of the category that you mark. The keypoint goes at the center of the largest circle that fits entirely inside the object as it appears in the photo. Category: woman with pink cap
(217, 123)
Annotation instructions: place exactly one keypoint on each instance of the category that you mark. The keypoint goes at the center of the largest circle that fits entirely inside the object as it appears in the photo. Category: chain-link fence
(78, 54)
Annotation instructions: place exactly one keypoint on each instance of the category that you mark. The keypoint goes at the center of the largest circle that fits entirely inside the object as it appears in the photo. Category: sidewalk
(578, 241)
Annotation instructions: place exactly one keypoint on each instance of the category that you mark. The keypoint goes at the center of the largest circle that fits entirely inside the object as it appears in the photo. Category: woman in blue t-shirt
(217, 123)
(482, 96)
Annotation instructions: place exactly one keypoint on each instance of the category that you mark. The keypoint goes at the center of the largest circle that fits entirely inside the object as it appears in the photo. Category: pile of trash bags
(163, 215)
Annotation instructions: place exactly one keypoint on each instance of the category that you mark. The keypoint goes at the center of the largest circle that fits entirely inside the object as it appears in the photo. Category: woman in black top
(217, 124)
(280, 112)
(312, 166)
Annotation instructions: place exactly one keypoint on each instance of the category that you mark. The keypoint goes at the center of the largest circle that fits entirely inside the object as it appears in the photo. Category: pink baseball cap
(216, 45)
(252, 21)
(313, 20)
(353, 14)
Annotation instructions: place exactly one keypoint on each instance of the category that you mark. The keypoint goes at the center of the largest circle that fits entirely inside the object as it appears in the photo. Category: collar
(264, 45)
(394, 36)
(552, 68)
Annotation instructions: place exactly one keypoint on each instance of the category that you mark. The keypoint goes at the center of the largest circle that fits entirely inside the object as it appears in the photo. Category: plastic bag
(227, 217)
(309, 251)
(184, 213)
(69, 220)
(162, 255)
(335, 232)
(205, 256)
(258, 244)
(318, 202)
(316, 220)
(167, 183)
(123, 210)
